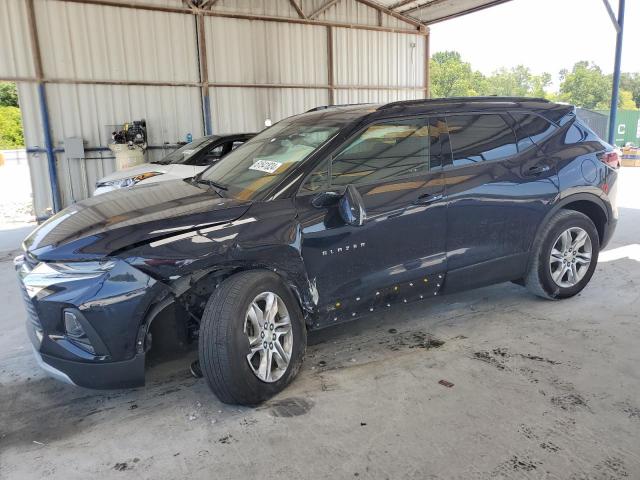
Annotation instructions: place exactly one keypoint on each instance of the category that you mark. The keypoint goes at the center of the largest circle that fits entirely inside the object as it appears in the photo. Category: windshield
(184, 153)
(264, 160)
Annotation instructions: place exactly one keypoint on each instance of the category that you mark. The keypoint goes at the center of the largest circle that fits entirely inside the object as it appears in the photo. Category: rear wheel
(252, 338)
(565, 256)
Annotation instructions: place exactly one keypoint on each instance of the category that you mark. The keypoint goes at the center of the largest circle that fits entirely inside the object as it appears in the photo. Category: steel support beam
(412, 10)
(427, 67)
(616, 73)
(44, 108)
(392, 13)
(328, 4)
(210, 84)
(204, 74)
(297, 8)
(330, 74)
(248, 16)
(612, 15)
(401, 3)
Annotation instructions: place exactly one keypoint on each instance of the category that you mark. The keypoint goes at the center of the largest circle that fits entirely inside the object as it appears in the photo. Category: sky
(544, 35)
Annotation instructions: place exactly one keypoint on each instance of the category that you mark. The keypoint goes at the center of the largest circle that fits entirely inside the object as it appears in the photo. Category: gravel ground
(493, 383)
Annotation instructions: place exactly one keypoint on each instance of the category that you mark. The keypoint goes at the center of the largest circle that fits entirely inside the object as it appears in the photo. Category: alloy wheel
(570, 257)
(268, 327)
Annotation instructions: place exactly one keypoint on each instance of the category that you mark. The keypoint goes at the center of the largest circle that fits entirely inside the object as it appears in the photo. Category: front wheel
(564, 256)
(252, 338)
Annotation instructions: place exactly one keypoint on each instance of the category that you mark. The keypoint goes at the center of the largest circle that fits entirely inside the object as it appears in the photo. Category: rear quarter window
(531, 129)
(574, 135)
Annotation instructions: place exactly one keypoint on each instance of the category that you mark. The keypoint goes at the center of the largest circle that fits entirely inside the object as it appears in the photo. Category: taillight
(611, 158)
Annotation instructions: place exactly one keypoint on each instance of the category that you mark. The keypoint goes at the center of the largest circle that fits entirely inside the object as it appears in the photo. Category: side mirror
(326, 199)
(351, 207)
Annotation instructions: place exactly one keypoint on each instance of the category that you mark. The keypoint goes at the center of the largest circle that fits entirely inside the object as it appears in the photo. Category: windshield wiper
(211, 183)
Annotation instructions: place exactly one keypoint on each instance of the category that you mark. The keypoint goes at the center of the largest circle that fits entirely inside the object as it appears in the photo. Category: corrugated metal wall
(84, 43)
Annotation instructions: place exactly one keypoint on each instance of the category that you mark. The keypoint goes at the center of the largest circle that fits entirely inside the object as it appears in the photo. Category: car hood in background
(135, 170)
(102, 225)
(176, 170)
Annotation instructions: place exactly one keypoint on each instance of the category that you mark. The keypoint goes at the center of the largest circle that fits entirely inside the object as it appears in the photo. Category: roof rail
(491, 98)
(325, 107)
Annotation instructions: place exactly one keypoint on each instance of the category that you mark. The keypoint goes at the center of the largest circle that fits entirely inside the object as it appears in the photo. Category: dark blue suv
(324, 217)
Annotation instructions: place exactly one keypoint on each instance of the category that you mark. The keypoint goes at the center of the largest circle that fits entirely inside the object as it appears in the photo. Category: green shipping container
(627, 128)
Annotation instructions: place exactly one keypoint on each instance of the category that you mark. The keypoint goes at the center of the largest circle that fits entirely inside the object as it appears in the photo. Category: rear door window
(531, 129)
(480, 137)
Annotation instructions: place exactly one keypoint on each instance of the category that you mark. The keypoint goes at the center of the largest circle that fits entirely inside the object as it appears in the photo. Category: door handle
(427, 198)
(536, 170)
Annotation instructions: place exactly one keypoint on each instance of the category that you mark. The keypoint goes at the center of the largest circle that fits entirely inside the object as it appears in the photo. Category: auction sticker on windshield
(267, 166)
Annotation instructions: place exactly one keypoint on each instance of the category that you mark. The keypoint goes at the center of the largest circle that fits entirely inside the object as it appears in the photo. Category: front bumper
(51, 371)
(101, 376)
(110, 306)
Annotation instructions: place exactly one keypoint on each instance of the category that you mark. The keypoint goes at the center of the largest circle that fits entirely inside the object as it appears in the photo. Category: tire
(539, 279)
(223, 345)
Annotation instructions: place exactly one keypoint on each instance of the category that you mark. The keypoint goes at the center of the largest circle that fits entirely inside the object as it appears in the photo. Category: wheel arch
(586, 203)
(302, 289)
(284, 262)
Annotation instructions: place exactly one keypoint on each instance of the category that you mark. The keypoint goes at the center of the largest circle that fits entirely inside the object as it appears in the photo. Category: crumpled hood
(99, 226)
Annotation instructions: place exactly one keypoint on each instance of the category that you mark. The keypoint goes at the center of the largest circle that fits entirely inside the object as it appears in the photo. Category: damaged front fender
(264, 238)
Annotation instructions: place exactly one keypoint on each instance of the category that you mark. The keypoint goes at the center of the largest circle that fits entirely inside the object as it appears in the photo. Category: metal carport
(197, 67)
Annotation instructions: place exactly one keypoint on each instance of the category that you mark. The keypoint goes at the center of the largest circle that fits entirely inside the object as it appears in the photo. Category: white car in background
(185, 162)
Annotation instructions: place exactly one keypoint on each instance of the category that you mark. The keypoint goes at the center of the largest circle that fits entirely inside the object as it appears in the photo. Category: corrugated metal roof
(111, 44)
(432, 11)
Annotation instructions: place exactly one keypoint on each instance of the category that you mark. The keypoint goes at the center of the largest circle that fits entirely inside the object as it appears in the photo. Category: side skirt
(504, 269)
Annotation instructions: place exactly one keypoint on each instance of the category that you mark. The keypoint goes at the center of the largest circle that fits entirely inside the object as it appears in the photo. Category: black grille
(32, 313)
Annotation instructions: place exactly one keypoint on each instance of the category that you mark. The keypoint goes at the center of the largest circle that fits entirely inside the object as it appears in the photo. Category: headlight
(127, 182)
(78, 269)
(45, 275)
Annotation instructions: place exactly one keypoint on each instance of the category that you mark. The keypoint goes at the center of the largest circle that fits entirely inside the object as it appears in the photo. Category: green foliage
(625, 100)
(585, 86)
(451, 77)
(630, 82)
(518, 82)
(8, 94)
(11, 135)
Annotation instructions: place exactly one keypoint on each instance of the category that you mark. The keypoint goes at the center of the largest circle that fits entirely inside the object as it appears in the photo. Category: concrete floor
(540, 390)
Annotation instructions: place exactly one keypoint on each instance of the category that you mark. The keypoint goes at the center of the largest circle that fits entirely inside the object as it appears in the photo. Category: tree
(585, 86)
(452, 77)
(8, 94)
(631, 83)
(10, 128)
(517, 82)
(625, 101)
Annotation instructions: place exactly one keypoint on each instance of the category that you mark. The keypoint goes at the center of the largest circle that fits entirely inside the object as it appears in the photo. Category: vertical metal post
(331, 80)
(616, 74)
(427, 67)
(44, 109)
(48, 143)
(204, 73)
